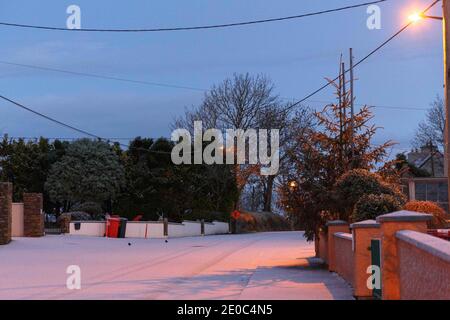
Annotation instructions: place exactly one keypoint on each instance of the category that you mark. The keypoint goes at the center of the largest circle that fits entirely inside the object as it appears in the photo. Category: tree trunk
(268, 194)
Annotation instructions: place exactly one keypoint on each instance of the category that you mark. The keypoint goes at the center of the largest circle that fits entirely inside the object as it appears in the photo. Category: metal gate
(375, 249)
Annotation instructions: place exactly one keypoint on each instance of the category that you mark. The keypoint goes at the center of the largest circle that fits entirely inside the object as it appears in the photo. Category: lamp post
(446, 41)
(446, 46)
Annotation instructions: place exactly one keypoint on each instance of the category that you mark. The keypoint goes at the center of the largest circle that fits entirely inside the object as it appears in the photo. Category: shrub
(371, 206)
(92, 208)
(261, 222)
(439, 215)
(353, 185)
(75, 216)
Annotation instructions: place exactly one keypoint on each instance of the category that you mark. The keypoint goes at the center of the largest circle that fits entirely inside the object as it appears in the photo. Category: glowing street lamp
(416, 17)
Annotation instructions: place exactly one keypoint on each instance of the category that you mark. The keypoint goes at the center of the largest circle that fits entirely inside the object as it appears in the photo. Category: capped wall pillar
(33, 217)
(334, 227)
(389, 225)
(5, 212)
(363, 233)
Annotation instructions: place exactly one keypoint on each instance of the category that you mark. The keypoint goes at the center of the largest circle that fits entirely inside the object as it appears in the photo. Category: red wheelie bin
(112, 227)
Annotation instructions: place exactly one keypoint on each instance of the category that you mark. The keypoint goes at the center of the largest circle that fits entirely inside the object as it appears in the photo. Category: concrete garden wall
(177, 230)
(88, 228)
(17, 220)
(424, 266)
(144, 229)
(151, 229)
(216, 227)
(414, 265)
(323, 246)
(190, 229)
(344, 256)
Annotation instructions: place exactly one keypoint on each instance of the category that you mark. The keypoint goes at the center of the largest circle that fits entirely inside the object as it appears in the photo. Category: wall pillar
(322, 250)
(166, 227)
(363, 233)
(64, 223)
(334, 227)
(6, 190)
(33, 223)
(389, 225)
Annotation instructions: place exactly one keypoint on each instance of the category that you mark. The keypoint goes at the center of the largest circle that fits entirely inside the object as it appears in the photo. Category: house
(432, 188)
(429, 159)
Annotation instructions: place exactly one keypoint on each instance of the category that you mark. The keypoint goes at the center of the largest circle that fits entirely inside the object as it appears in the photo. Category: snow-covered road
(273, 265)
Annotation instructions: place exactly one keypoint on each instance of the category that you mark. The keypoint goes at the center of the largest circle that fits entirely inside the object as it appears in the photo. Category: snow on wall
(152, 229)
(17, 220)
(144, 229)
(185, 229)
(89, 228)
(216, 227)
(192, 228)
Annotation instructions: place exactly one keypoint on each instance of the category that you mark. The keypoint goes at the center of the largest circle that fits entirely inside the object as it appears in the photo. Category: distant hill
(261, 221)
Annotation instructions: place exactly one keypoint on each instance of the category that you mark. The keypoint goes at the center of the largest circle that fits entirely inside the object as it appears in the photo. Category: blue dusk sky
(297, 55)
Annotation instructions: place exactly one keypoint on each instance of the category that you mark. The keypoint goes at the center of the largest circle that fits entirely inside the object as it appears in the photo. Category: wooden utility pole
(344, 110)
(446, 35)
(341, 120)
(352, 105)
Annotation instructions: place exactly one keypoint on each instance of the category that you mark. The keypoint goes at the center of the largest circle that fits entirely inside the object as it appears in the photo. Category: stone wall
(33, 216)
(5, 212)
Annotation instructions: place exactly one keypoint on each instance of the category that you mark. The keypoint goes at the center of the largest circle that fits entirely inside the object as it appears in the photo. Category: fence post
(202, 228)
(33, 218)
(5, 212)
(334, 227)
(166, 227)
(389, 225)
(363, 233)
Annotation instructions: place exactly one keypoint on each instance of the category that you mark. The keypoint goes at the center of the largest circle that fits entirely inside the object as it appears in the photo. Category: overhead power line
(204, 27)
(92, 135)
(50, 118)
(166, 85)
(98, 76)
(290, 107)
(360, 61)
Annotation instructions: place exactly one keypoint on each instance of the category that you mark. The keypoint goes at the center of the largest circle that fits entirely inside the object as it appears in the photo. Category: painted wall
(17, 220)
(216, 228)
(144, 229)
(89, 228)
(344, 256)
(424, 263)
(323, 246)
(185, 229)
(153, 229)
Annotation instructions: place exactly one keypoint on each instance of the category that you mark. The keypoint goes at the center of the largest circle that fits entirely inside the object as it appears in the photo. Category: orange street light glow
(415, 17)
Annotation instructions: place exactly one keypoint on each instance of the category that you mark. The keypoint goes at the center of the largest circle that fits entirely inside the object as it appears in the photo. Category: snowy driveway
(273, 265)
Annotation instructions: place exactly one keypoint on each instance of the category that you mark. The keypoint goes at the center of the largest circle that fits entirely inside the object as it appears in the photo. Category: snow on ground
(275, 265)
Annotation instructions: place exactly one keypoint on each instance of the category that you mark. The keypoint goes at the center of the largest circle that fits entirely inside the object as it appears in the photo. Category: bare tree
(291, 125)
(241, 102)
(431, 130)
